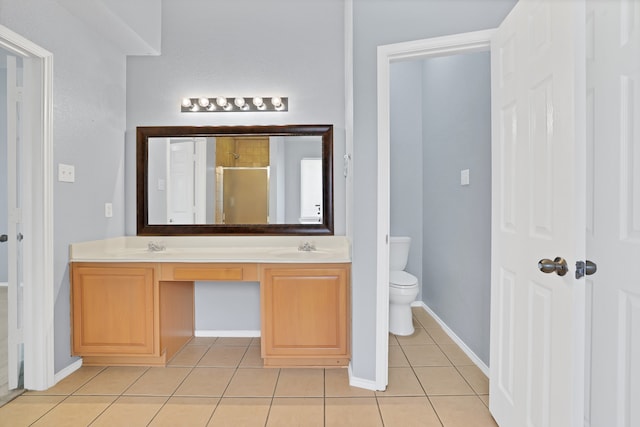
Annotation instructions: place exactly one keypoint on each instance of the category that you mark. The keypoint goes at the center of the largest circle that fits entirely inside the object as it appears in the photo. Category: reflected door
(311, 190)
(186, 173)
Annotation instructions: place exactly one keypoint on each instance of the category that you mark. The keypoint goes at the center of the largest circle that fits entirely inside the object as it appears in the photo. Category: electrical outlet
(108, 210)
(66, 173)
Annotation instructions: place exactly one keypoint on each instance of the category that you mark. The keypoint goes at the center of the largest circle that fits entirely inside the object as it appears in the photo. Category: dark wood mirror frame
(145, 132)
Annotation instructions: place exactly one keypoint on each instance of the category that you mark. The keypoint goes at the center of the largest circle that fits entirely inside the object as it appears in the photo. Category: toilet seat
(402, 279)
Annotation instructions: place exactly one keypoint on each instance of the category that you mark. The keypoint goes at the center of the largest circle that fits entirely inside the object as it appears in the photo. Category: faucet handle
(156, 246)
(307, 246)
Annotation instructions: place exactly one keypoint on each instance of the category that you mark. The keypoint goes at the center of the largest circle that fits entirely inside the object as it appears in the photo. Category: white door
(613, 222)
(311, 190)
(14, 234)
(180, 187)
(186, 189)
(538, 115)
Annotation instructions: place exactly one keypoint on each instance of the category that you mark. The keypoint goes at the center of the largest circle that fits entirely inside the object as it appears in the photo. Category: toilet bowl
(403, 287)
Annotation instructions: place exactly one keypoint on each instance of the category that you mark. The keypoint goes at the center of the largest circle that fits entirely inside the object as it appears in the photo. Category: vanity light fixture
(233, 104)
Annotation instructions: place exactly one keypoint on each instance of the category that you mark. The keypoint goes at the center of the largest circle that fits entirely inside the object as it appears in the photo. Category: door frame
(476, 41)
(37, 211)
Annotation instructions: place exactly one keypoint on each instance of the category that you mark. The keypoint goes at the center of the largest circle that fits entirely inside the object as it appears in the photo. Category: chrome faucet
(307, 246)
(156, 246)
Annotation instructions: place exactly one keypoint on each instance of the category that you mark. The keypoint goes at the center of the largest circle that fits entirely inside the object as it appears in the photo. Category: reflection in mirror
(235, 180)
(258, 179)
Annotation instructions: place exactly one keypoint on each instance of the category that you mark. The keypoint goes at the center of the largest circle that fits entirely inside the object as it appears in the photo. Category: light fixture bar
(221, 104)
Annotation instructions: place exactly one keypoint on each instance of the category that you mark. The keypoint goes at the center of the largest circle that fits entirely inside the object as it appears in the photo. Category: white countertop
(258, 249)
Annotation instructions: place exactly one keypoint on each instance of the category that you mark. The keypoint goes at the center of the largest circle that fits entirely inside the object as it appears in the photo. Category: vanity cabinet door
(305, 314)
(113, 309)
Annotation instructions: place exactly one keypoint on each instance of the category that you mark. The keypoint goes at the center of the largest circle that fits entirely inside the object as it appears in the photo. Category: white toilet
(403, 287)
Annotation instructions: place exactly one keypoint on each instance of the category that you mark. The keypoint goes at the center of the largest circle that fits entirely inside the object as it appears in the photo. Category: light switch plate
(66, 173)
(464, 177)
(108, 210)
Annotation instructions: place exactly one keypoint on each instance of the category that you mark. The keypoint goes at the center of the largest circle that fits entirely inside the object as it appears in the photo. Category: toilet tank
(398, 252)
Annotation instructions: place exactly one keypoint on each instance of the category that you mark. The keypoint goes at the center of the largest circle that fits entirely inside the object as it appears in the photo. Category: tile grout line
(118, 396)
(183, 380)
(455, 366)
(379, 410)
(222, 395)
(68, 395)
(230, 379)
(418, 379)
(324, 397)
(266, 420)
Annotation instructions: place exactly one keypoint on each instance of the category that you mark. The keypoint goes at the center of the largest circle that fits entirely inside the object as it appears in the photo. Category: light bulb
(276, 101)
(221, 101)
(203, 102)
(258, 102)
(239, 102)
(186, 103)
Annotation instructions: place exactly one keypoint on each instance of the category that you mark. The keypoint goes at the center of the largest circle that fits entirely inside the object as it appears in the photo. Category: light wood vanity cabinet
(142, 313)
(122, 314)
(305, 314)
(113, 309)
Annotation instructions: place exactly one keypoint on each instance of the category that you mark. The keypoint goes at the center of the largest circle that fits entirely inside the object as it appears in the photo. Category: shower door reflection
(244, 195)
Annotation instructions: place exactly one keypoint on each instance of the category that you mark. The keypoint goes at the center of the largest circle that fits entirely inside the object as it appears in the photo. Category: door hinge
(347, 159)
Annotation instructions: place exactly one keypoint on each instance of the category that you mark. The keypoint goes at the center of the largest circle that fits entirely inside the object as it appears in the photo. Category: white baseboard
(65, 372)
(474, 358)
(233, 334)
(361, 382)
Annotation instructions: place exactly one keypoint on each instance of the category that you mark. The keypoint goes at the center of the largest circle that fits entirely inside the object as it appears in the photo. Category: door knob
(558, 265)
(3, 237)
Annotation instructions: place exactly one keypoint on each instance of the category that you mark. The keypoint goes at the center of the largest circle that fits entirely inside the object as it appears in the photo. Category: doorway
(11, 289)
(451, 45)
(34, 218)
(3, 229)
(440, 189)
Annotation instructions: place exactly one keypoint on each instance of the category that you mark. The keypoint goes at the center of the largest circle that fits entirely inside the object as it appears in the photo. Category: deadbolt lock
(588, 268)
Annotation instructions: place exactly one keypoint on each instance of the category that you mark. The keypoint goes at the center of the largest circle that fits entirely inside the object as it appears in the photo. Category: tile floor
(221, 382)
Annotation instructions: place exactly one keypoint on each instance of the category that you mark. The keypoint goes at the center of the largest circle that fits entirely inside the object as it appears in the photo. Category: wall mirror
(266, 180)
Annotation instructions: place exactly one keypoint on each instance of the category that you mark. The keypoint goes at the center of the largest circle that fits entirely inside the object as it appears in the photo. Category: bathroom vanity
(132, 298)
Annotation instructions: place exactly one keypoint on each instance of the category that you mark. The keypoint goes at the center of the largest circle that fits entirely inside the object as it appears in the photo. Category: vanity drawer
(209, 271)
